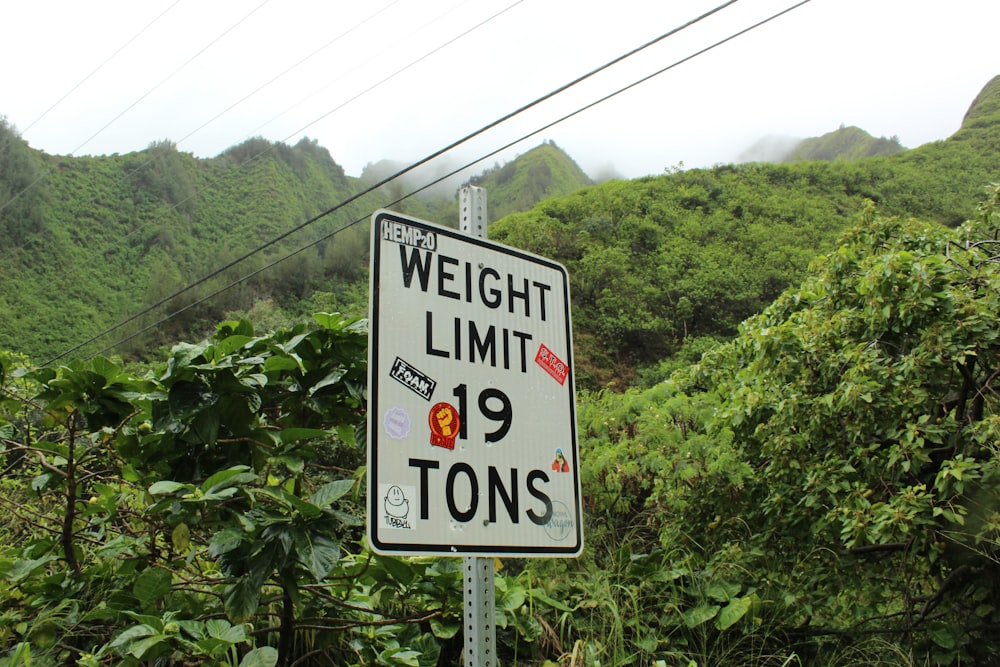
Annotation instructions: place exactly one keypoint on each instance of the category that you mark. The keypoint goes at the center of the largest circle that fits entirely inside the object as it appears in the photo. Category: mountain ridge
(91, 242)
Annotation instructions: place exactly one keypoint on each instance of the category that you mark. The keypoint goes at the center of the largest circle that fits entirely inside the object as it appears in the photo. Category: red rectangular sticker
(552, 364)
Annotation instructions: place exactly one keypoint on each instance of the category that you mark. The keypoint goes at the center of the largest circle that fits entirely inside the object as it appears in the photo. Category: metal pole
(479, 591)
(472, 210)
(480, 611)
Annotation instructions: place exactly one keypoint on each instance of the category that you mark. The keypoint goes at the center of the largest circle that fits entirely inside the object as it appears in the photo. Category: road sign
(472, 445)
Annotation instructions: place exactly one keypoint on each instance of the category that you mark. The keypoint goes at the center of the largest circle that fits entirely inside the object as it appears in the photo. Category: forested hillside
(788, 418)
(846, 143)
(659, 263)
(88, 242)
(664, 265)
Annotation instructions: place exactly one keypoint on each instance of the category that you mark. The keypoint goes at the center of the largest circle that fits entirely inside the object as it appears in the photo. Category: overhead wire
(258, 155)
(446, 176)
(100, 67)
(140, 99)
(253, 158)
(171, 75)
(287, 70)
(434, 182)
(392, 177)
(355, 69)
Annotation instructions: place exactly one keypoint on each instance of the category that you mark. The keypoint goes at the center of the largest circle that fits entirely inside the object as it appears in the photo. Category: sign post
(472, 418)
(479, 593)
(472, 447)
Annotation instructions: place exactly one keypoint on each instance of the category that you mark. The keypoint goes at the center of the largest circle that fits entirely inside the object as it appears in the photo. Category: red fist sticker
(445, 423)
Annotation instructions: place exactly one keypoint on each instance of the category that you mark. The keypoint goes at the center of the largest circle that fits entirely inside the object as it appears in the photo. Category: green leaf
(21, 655)
(218, 628)
(722, 591)
(537, 594)
(139, 648)
(400, 656)
(512, 599)
(943, 635)
(134, 633)
(206, 425)
(151, 585)
(347, 434)
(398, 569)
(331, 378)
(701, 614)
(231, 344)
(242, 598)
(187, 398)
(733, 612)
(280, 363)
(180, 537)
(445, 629)
(166, 487)
(229, 477)
(317, 553)
(290, 501)
(264, 656)
(327, 494)
(19, 570)
(225, 541)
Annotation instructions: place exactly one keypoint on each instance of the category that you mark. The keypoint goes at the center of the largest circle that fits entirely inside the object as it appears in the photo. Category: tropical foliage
(827, 480)
(822, 486)
(789, 423)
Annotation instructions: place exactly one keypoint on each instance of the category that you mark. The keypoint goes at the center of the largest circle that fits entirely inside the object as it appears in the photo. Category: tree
(201, 512)
(22, 189)
(866, 405)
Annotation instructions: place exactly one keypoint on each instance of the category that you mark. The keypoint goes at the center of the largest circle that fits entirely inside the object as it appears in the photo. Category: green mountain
(663, 266)
(845, 143)
(87, 242)
(658, 264)
(94, 239)
(543, 172)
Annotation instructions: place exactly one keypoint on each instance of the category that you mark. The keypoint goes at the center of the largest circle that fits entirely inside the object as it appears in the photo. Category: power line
(100, 67)
(421, 162)
(361, 65)
(171, 75)
(140, 99)
(285, 72)
(258, 155)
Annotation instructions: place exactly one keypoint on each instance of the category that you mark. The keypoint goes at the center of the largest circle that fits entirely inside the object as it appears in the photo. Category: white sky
(293, 68)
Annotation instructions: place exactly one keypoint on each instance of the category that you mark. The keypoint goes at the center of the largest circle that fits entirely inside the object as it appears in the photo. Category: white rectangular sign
(472, 447)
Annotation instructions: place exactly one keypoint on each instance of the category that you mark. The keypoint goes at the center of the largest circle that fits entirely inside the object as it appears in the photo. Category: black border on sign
(404, 548)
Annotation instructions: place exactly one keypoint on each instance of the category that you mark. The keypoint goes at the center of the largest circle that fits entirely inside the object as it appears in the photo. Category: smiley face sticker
(445, 423)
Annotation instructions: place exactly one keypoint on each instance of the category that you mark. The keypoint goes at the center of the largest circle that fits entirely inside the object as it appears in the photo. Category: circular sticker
(396, 423)
(561, 524)
(445, 423)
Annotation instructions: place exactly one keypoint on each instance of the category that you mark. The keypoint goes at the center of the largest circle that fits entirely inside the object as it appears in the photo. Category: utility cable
(140, 99)
(100, 67)
(285, 71)
(440, 179)
(270, 149)
(171, 75)
(361, 65)
(394, 176)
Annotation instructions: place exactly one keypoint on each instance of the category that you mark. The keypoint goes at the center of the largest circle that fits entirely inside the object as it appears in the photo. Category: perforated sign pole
(479, 596)
(472, 443)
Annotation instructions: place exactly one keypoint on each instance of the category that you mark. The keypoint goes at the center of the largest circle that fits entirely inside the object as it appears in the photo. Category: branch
(876, 548)
(948, 583)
